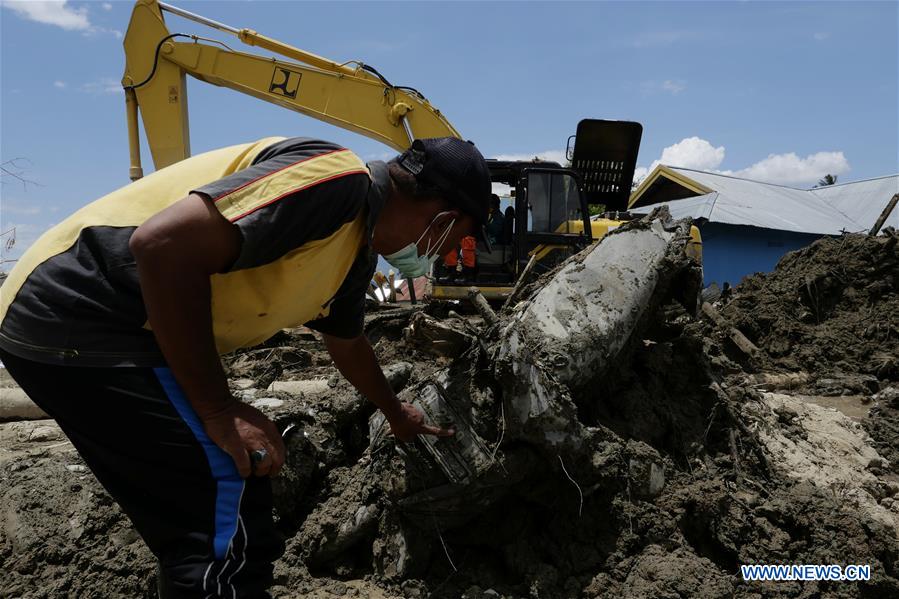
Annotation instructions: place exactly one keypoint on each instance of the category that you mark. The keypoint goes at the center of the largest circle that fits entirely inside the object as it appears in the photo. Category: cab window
(553, 201)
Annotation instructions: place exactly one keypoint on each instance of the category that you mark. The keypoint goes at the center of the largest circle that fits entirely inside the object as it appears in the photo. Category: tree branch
(11, 168)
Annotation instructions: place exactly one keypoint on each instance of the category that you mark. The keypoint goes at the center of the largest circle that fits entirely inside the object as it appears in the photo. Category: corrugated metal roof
(828, 211)
(863, 200)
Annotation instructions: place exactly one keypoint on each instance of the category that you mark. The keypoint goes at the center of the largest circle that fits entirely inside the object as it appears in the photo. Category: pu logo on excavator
(285, 82)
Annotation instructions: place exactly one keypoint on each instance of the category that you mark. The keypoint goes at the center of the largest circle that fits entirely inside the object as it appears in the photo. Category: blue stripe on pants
(229, 484)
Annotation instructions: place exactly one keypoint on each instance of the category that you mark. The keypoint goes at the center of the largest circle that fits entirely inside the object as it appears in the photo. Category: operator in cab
(496, 222)
(114, 320)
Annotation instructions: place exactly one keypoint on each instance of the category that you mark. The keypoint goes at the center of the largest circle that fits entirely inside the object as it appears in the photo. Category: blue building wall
(730, 252)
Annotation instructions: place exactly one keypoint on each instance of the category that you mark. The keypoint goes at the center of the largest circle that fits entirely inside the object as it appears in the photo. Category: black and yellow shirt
(304, 207)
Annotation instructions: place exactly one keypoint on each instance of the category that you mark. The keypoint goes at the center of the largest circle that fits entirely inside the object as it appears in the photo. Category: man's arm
(176, 252)
(357, 362)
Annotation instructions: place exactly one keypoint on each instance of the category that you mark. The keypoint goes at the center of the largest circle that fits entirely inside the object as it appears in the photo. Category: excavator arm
(349, 95)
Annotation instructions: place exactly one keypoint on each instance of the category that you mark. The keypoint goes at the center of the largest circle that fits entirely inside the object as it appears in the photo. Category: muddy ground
(698, 458)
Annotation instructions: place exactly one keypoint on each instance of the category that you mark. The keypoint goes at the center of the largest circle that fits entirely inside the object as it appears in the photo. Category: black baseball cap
(455, 170)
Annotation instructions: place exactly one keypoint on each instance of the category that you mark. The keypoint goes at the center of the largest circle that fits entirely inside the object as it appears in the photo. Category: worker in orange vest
(451, 266)
(469, 257)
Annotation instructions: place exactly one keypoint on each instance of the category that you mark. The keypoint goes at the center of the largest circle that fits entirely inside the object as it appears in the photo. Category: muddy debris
(611, 441)
(830, 309)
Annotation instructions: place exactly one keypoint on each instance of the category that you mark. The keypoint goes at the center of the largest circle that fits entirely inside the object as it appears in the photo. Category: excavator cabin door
(551, 216)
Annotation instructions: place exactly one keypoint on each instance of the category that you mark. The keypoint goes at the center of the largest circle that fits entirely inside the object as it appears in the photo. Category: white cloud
(52, 12)
(668, 86)
(59, 13)
(692, 152)
(674, 86)
(821, 35)
(547, 155)
(790, 169)
(783, 169)
(59, 84)
(107, 6)
(105, 85)
(640, 173)
(501, 189)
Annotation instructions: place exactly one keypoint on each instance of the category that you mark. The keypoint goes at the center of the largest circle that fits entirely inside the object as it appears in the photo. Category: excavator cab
(544, 215)
(546, 212)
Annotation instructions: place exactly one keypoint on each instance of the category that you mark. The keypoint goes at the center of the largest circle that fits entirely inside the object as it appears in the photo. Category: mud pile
(830, 309)
(659, 478)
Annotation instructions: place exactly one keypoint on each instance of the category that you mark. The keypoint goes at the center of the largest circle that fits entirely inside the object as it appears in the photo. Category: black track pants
(211, 530)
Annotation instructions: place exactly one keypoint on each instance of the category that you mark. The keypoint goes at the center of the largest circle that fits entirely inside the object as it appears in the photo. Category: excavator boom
(349, 95)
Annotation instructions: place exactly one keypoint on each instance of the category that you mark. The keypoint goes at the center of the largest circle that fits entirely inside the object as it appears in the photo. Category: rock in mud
(826, 449)
(15, 405)
(659, 572)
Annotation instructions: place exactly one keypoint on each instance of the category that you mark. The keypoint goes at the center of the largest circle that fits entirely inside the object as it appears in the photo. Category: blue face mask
(407, 260)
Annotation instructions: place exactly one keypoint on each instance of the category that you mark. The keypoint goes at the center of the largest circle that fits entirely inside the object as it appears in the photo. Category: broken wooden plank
(739, 339)
(480, 303)
(521, 283)
(391, 278)
(884, 215)
(435, 337)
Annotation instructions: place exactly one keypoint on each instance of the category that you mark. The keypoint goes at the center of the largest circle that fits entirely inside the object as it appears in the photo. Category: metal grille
(601, 176)
(605, 155)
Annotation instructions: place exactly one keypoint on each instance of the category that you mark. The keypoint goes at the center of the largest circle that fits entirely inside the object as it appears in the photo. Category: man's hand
(240, 429)
(357, 362)
(408, 421)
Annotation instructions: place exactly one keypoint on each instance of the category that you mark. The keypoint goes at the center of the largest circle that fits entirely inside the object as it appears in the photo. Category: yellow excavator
(549, 216)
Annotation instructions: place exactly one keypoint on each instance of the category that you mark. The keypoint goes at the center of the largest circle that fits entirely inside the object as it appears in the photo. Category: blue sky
(777, 91)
